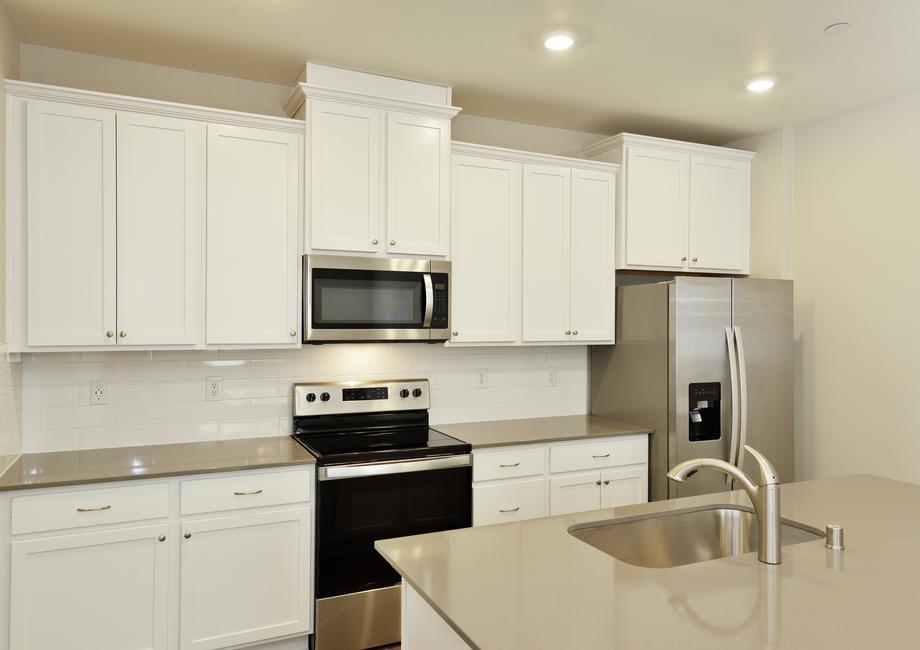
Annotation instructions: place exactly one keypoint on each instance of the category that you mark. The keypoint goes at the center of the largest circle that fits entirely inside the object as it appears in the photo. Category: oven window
(354, 513)
(354, 299)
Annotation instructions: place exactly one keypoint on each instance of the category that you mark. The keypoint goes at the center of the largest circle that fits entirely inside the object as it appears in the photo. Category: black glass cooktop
(372, 445)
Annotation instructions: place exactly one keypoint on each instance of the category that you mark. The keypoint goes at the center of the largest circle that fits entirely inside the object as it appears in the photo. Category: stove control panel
(360, 396)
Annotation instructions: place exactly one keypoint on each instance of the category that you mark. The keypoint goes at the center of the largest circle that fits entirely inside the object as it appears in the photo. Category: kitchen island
(531, 585)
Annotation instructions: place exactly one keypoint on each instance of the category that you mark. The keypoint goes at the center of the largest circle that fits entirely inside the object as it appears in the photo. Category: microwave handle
(429, 300)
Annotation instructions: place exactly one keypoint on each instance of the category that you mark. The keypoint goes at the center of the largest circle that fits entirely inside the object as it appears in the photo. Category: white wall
(159, 397)
(517, 135)
(857, 274)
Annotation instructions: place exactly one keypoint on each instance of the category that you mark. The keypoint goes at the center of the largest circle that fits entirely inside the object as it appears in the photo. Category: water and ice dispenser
(705, 411)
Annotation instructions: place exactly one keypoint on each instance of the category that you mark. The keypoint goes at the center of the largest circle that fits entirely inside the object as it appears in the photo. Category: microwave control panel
(439, 316)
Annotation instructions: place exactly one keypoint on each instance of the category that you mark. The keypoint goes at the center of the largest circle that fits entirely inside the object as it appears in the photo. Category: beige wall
(517, 135)
(857, 273)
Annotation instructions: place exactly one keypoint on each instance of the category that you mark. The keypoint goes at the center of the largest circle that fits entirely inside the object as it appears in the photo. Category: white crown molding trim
(31, 90)
(513, 155)
(311, 91)
(621, 139)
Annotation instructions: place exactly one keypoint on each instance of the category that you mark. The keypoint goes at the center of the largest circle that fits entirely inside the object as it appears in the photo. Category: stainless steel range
(382, 472)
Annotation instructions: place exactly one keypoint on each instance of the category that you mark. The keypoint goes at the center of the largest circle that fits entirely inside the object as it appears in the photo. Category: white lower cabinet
(104, 590)
(527, 481)
(245, 578)
(117, 567)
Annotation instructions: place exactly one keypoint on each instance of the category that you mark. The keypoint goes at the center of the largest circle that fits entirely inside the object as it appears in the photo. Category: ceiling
(674, 68)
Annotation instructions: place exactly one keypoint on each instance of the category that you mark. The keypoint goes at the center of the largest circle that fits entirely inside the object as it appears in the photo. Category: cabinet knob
(568, 332)
(122, 334)
(575, 332)
(162, 538)
(455, 333)
(695, 259)
(683, 259)
(188, 535)
(606, 482)
(597, 482)
(374, 242)
(110, 334)
(392, 242)
(293, 332)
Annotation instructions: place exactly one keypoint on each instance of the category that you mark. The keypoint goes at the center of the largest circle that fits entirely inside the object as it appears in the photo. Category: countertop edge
(562, 438)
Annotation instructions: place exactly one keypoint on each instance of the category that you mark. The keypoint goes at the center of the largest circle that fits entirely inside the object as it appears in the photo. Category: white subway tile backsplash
(159, 397)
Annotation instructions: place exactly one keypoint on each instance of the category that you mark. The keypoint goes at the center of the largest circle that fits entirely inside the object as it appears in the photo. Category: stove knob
(311, 397)
(324, 397)
(404, 393)
(417, 392)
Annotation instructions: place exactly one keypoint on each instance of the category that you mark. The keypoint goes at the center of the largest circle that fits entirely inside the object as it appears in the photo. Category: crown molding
(31, 90)
(625, 139)
(528, 157)
(311, 91)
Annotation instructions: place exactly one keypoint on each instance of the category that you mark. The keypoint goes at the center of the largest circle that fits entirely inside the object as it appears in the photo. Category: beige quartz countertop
(532, 585)
(124, 463)
(536, 430)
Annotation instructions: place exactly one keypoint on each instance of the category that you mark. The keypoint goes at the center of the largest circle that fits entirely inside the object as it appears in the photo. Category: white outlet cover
(482, 378)
(214, 389)
(550, 376)
(98, 392)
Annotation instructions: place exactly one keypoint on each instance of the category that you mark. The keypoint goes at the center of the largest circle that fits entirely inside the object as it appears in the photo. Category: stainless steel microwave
(375, 299)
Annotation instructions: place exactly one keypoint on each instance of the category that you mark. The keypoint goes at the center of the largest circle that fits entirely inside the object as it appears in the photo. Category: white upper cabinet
(345, 176)
(719, 214)
(593, 282)
(682, 206)
(161, 172)
(70, 224)
(253, 217)
(379, 165)
(418, 184)
(485, 250)
(546, 251)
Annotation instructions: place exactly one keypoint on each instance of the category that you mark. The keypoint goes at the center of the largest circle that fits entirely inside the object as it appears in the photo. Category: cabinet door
(70, 224)
(253, 216)
(593, 282)
(93, 591)
(624, 486)
(576, 492)
(657, 204)
(485, 250)
(546, 250)
(161, 181)
(418, 184)
(345, 177)
(720, 205)
(245, 578)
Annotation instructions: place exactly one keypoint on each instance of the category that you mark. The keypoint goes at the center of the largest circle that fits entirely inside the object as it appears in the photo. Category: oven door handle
(336, 472)
(429, 300)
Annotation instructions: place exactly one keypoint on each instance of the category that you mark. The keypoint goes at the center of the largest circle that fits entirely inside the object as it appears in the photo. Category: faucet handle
(767, 471)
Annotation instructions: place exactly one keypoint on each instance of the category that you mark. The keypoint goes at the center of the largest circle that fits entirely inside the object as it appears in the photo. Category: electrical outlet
(98, 392)
(482, 378)
(214, 389)
(550, 376)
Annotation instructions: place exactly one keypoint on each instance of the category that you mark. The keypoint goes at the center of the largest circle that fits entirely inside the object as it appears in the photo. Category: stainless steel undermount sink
(673, 538)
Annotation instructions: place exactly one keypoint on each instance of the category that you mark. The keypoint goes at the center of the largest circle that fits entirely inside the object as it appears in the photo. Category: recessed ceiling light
(760, 85)
(558, 41)
(836, 28)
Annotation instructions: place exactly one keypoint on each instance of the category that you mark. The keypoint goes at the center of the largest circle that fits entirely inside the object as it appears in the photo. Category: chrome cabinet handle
(94, 509)
(696, 259)
(110, 334)
(246, 494)
(162, 538)
(392, 242)
(293, 332)
(455, 333)
(122, 334)
(606, 482)
(597, 482)
(574, 332)
(509, 464)
(683, 259)
(607, 455)
(567, 332)
(514, 509)
(374, 242)
(188, 535)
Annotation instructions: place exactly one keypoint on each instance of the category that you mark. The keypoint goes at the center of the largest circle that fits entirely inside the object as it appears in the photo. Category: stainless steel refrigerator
(707, 362)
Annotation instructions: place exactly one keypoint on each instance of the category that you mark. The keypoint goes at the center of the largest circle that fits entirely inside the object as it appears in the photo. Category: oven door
(371, 299)
(353, 513)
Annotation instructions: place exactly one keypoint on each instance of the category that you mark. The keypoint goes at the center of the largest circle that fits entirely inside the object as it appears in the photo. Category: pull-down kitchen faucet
(764, 497)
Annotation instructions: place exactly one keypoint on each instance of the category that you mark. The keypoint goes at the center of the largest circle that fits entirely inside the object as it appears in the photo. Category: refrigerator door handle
(733, 368)
(742, 383)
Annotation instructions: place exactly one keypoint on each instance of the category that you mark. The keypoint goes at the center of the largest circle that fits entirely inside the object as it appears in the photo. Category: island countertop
(497, 433)
(55, 468)
(531, 585)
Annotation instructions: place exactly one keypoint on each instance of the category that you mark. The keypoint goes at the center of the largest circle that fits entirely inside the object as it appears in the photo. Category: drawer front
(611, 452)
(89, 507)
(509, 501)
(508, 462)
(246, 490)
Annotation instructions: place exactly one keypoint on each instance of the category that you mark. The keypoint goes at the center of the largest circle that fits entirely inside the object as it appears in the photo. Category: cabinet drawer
(246, 490)
(611, 452)
(509, 501)
(89, 507)
(508, 462)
